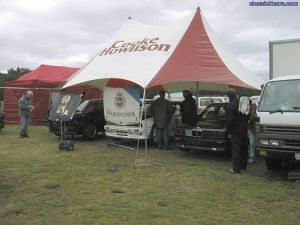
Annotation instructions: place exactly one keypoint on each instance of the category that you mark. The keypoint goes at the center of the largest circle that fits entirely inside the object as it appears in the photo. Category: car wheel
(273, 164)
(154, 135)
(90, 131)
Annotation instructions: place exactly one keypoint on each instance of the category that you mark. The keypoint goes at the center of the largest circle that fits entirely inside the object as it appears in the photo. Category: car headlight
(264, 142)
(274, 143)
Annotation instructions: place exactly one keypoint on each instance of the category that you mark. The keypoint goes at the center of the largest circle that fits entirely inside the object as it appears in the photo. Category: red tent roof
(200, 57)
(45, 76)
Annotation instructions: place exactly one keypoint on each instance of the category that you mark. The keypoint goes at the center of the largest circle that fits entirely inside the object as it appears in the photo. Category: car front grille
(197, 133)
(206, 134)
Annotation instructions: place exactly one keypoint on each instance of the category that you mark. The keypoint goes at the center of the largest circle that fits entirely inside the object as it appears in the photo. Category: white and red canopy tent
(183, 55)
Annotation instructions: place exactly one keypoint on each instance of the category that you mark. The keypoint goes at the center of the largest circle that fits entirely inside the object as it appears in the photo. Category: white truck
(278, 121)
(123, 110)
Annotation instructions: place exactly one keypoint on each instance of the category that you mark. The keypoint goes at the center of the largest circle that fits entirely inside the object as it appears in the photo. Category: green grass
(97, 184)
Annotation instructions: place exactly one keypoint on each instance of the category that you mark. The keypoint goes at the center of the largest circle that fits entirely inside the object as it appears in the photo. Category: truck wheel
(154, 135)
(90, 131)
(273, 164)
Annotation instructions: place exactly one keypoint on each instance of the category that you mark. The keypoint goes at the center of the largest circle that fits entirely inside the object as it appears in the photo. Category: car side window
(90, 107)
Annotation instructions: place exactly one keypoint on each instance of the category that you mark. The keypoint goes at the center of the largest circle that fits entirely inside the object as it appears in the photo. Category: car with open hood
(87, 120)
(208, 134)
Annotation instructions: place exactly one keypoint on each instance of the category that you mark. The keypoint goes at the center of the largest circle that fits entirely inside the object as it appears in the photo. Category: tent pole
(197, 95)
(140, 126)
(146, 138)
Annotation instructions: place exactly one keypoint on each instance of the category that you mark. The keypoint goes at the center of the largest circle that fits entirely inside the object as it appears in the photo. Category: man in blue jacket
(25, 108)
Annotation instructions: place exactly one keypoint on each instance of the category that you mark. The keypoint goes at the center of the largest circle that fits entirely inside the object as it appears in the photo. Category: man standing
(25, 107)
(188, 109)
(237, 126)
(162, 114)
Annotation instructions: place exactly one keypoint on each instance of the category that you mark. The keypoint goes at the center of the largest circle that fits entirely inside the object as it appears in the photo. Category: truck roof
(287, 77)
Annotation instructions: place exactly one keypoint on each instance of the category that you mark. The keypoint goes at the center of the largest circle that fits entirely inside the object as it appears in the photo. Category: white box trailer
(284, 57)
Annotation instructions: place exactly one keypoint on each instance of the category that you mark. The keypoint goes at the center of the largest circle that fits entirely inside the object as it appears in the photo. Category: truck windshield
(281, 96)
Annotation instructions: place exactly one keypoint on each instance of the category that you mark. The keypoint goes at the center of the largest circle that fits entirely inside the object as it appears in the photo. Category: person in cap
(25, 108)
(161, 110)
(188, 109)
(237, 127)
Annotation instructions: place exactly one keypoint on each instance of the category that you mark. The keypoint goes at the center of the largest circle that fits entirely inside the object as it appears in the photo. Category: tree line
(12, 74)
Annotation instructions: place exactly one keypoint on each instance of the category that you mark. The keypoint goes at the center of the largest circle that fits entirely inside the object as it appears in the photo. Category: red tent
(44, 82)
(45, 76)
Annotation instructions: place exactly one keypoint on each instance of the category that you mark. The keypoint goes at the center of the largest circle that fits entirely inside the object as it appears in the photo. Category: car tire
(153, 135)
(273, 164)
(90, 131)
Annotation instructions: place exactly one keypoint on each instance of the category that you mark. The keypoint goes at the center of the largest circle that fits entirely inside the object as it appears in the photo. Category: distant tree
(12, 74)
(1, 85)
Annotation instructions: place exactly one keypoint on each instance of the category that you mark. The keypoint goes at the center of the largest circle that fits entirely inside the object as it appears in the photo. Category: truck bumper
(278, 154)
(126, 132)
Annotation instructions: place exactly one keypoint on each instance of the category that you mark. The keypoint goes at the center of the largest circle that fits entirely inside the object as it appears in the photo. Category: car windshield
(82, 106)
(213, 113)
(279, 96)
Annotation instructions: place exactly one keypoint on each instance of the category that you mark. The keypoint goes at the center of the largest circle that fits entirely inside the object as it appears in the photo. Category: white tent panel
(136, 54)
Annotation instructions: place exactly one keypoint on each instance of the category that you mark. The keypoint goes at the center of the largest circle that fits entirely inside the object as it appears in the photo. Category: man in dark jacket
(237, 127)
(188, 109)
(162, 114)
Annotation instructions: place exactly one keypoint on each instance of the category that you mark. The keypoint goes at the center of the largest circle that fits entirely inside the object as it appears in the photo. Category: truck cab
(278, 122)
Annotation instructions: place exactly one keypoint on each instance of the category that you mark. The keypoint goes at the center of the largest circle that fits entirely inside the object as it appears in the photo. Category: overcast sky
(70, 32)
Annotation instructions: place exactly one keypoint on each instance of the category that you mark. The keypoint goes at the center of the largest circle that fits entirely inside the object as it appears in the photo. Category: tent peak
(130, 18)
(198, 9)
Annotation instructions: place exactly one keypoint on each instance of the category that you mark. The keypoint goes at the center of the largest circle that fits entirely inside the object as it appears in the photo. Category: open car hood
(211, 124)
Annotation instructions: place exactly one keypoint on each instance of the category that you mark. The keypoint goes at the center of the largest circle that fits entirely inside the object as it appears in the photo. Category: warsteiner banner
(121, 105)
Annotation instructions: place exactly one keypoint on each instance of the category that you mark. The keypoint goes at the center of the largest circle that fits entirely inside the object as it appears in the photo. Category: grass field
(97, 184)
